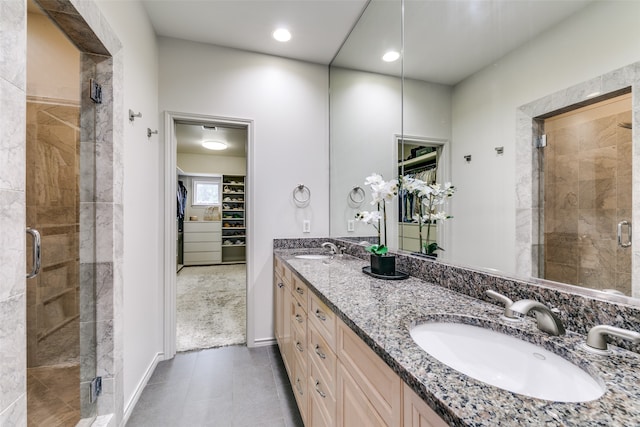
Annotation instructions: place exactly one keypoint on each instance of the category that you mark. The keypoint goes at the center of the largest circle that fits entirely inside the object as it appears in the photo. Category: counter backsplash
(578, 312)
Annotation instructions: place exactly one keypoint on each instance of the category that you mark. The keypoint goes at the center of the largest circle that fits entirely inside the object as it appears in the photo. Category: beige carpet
(211, 306)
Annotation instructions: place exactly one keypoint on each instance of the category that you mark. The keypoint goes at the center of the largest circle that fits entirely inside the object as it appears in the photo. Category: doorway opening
(212, 232)
(425, 160)
(585, 193)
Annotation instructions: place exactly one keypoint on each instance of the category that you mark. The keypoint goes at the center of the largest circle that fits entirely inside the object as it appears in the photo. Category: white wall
(143, 183)
(288, 102)
(51, 73)
(365, 117)
(201, 163)
(604, 37)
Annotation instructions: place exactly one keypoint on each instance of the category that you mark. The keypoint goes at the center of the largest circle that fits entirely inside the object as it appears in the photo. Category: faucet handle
(506, 301)
(596, 336)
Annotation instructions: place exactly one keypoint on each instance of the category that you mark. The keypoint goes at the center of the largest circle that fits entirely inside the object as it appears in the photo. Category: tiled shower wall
(53, 134)
(587, 192)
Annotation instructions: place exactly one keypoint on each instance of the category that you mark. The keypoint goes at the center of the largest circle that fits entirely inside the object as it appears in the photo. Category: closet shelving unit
(233, 219)
(409, 230)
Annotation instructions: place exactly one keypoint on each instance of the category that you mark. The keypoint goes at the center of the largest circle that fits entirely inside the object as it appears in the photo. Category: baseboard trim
(263, 342)
(140, 387)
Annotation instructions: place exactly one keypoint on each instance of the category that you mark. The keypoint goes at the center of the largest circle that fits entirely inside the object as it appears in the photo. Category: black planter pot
(383, 264)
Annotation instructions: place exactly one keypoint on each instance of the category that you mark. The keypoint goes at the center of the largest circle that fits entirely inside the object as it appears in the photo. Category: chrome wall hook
(150, 132)
(133, 116)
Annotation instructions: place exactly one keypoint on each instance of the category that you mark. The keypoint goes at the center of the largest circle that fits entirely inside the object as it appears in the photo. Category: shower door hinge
(95, 91)
(540, 141)
(95, 387)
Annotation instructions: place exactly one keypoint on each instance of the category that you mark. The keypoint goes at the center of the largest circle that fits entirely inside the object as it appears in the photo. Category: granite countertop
(381, 312)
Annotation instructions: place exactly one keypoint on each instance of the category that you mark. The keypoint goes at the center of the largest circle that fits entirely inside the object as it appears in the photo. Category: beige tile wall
(587, 191)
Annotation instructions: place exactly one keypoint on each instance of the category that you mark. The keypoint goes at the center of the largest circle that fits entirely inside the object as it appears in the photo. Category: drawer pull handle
(299, 318)
(319, 353)
(320, 315)
(300, 291)
(299, 346)
(280, 285)
(320, 392)
(298, 387)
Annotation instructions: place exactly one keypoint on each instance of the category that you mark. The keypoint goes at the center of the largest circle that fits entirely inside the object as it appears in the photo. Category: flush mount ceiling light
(214, 145)
(282, 35)
(391, 56)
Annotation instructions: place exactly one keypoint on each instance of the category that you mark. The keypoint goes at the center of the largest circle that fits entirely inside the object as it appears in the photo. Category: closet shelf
(418, 160)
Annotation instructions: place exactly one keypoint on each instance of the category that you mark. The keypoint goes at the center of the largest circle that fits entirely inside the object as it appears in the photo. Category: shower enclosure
(586, 183)
(60, 156)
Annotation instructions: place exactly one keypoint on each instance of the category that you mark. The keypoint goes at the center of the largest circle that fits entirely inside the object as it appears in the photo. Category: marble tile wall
(13, 404)
(587, 168)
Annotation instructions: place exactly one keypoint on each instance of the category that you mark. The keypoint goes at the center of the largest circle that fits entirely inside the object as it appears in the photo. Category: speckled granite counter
(381, 313)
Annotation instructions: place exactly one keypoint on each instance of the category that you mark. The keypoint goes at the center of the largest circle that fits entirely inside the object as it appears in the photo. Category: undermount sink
(506, 362)
(313, 256)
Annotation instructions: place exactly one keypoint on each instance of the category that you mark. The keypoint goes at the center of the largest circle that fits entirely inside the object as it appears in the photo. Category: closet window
(206, 192)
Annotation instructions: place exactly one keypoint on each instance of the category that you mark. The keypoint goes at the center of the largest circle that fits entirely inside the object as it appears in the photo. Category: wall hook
(132, 115)
(499, 150)
(468, 158)
(149, 132)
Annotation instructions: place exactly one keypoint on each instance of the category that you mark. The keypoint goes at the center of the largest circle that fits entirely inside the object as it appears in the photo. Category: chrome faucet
(547, 321)
(596, 338)
(332, 248)
(508, 302)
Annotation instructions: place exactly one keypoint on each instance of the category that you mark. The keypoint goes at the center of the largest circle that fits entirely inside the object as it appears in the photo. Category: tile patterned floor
(53, 396)
(223, 387)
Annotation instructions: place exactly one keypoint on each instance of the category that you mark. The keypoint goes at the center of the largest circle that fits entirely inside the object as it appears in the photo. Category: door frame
(170, 232)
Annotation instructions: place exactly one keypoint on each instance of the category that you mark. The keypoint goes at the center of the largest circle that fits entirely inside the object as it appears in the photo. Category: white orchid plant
(430, 198)
(382, 192)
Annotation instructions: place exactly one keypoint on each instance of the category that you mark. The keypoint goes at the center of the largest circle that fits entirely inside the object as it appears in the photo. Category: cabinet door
(380, 385)
(354, 409)
(417, 413)
(279, 310)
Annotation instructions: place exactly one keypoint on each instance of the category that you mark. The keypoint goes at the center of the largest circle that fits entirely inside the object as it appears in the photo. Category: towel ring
(356, 195)
(299, 193)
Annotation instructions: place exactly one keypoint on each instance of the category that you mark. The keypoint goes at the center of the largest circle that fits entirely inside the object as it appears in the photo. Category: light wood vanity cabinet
(338, 381)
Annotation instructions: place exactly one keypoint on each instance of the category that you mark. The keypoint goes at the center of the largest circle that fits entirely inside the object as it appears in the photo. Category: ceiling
(189, 138)
(318, 27)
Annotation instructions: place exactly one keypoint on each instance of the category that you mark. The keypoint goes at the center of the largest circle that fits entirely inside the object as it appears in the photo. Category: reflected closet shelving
(233, 219)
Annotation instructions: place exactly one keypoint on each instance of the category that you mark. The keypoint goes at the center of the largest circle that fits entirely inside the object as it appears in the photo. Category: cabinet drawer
(323, 357)
(202, 247)
(320, 390)
(299, 347)
(202, 226)
(280, 268)
(298, 318)
(299, 291)
(324, 319)
(203, 237)
(202, 257)
(299, 383)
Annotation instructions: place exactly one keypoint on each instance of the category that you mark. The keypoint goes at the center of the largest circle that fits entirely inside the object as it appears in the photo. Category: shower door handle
(628, 242)
(35, 269)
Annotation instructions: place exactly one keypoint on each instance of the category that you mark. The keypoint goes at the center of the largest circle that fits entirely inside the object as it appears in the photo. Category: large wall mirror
(532, 110)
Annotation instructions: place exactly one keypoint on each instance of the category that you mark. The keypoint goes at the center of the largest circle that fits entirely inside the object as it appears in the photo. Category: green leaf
(377, 249)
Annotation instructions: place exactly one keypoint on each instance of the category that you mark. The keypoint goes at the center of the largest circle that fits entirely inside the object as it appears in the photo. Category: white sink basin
(506, 362)
(313, 256)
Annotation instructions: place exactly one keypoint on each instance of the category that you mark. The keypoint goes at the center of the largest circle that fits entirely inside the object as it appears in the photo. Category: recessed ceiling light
(282, 35)
(214, 145)
(391, 56)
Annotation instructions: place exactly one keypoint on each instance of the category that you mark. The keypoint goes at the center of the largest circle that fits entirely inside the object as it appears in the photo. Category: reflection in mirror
(485, 76)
